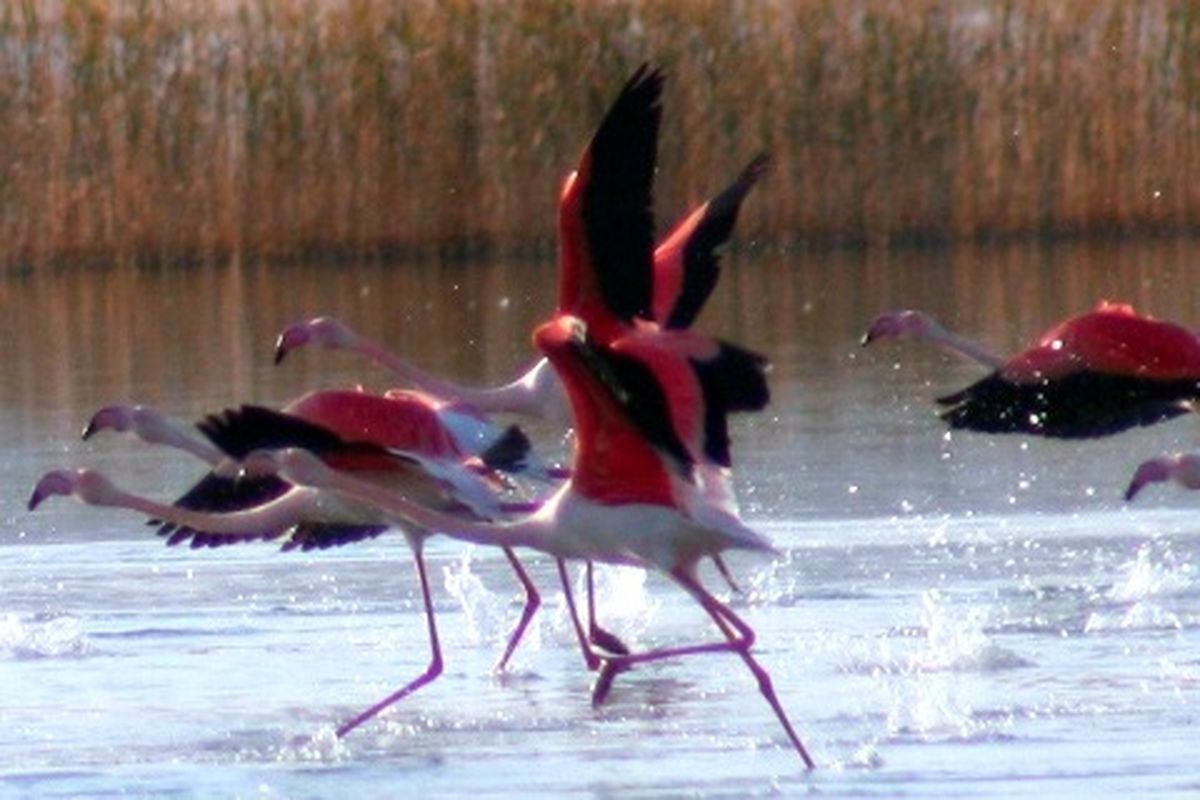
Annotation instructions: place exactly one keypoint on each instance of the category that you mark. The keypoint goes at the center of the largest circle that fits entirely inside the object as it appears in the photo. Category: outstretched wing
(687, 264)
(606, 212)
(1085, 404)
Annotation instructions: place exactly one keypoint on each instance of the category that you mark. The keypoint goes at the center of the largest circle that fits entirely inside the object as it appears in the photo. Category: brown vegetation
(166, 130)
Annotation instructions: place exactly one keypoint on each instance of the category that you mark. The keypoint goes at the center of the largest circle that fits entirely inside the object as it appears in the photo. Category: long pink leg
(597, 635)
(615, 665)
(532, 601)
(432, 671)
(589, 656)
(739, 639)
(718, 611)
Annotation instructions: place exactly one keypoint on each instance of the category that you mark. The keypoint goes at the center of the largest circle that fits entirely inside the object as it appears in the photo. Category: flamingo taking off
(611, 187)
(394, 440)
(631, 499)
(1093, 375)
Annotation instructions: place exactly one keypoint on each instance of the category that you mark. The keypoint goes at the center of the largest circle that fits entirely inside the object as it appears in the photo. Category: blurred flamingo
(1096, 374)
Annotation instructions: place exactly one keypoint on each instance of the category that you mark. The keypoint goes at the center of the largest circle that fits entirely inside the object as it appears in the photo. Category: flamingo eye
(1057, 344)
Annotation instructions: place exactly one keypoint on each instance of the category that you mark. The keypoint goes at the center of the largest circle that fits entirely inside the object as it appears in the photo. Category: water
(951, 616)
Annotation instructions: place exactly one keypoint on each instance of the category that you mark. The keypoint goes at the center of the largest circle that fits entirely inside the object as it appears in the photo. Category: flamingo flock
(647, 397)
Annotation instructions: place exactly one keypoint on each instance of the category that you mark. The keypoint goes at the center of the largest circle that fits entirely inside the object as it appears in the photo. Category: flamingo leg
(431, 672)
(723, 568)
(597, 635)
(532, 601)
(615, 665)
(744, 639)
(589, 656)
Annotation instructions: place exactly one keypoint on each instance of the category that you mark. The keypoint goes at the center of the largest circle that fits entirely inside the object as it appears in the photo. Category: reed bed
(181, 130)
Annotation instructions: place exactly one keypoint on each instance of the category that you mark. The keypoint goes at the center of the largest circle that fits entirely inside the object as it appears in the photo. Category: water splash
(776, 584)
(926, 673)
(322, 747)
(957, 641)
(1147, 576)
(51, 637)
(948, 638)
(1144, 593)
(488, 614)
(624, 605)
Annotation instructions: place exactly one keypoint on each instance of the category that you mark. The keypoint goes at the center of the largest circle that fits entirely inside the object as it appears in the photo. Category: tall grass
(166, 130)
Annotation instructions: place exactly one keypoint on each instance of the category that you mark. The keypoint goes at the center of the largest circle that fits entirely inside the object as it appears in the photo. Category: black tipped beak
(1132, 491)
(89, 431)
(35, 500)
(281, 351)
(866, 339)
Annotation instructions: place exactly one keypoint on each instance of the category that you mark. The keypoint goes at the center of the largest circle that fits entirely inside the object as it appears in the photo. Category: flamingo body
(1115, 340)
(403, 420)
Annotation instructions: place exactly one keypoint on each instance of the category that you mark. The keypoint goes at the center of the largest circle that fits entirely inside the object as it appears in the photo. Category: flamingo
(1092, 375)
(633, 497)
(393, 438)
(612, 186)
(1182, 468)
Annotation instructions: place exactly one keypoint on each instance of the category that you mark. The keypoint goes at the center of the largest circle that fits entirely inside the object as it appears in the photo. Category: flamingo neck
(961, 346)
(173, 435)
(521, 396)
(230, 522)
(407, 372)
(533, 531)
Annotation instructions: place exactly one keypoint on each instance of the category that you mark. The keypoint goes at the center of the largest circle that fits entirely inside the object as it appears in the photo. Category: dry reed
(179, 130)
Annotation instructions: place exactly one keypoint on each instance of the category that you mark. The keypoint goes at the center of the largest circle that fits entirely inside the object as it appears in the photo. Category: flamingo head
(322, 331)
(562, 333)
(88, 485)
(1183, 468)
(901, 324)
(147, 423)
(1156, 470)
(117, 418)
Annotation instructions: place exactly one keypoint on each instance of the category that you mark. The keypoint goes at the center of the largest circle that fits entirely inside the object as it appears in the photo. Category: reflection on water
(849, 432)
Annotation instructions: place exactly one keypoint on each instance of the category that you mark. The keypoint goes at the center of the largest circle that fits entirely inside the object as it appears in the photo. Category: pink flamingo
(633, 497)
(392, 439)
(605, 276)
(610, 278)
(1096, 374)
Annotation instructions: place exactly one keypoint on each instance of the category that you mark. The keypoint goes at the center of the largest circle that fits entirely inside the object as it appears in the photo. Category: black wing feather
(618, 201)
(735, 380)
(509, 452)
(1086, 404)
(637, 392)
(701, 262)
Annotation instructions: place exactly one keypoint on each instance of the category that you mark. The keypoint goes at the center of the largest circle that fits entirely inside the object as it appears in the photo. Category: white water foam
(53, 637)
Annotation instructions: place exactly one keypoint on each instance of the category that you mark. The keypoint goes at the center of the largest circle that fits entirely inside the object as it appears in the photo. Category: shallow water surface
(949, 616)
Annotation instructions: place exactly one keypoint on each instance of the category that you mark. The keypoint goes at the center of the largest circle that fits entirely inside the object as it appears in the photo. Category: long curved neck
(515, 397)
(267, 519)
(172, 433)
(961, 346)
(534, 531)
